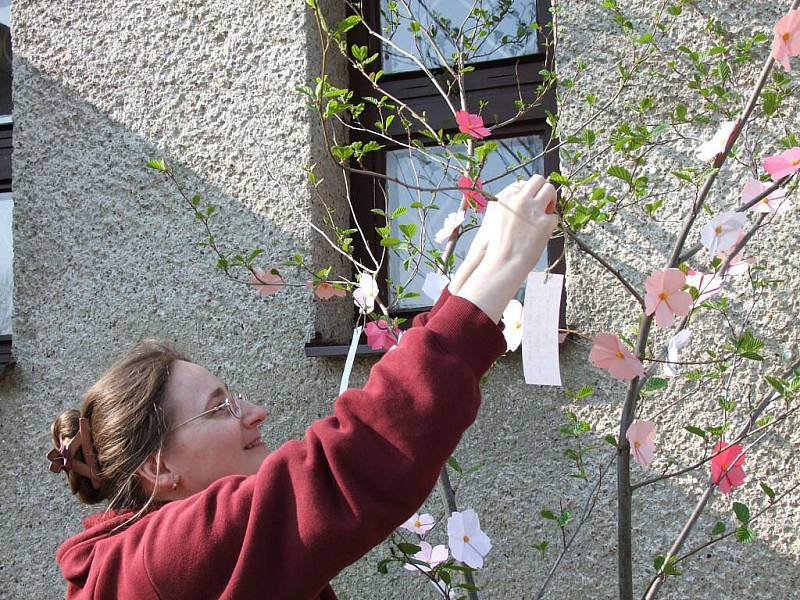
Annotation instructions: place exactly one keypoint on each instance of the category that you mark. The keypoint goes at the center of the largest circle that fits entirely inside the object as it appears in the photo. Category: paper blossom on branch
(676, 343)
(267, 281)
(776, 203)
(609, 353)
(721, 232)
(466, 540)
(786, 42)
(434, 556)
(325, 291)
(707, 284)
(512, 318)
(780, 165)
(420, 524)
(380, 336)
(474, 197)
(471, 124)
(665, 297)
(451, 221)
(740, 263)
(726, 466)
(640, 434)
(434, 285)
(365, 294)
(708, 151)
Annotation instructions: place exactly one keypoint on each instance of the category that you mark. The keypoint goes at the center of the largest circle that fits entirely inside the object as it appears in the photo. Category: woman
(200, 508)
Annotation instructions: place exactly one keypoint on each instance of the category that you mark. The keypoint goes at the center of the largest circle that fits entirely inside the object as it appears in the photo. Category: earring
(175, 481)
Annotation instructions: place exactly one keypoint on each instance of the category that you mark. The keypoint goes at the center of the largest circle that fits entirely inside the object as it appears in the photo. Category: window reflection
(5, 61)
(494, 29)
(427, 172)
(6, 263)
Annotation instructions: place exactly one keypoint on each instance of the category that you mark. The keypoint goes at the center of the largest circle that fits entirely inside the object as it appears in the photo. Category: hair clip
(63, 457)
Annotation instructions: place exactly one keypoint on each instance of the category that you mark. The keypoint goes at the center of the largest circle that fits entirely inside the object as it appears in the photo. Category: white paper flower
(512, 318)
(677, 343)
(466, 540)
(434, 285)
(721, 232)
(420, 524)
(709, 150)
(451, 221)
(432, 555)
(365, 294)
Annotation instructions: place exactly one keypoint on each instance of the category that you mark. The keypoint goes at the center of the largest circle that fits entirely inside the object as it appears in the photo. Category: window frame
(498, 81)
(6, 147)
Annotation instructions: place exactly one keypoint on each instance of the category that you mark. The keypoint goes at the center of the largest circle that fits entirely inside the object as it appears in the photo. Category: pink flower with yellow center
(776, 203)
(266, 281)
(640, 434)
(471, 124)
(419, 524)
(609, 353)
(665, 297)
(781, 165)
(325, 291)
(786, 40)
(472, 192)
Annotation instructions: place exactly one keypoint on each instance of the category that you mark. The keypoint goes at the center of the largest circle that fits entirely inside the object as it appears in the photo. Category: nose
(252, 414)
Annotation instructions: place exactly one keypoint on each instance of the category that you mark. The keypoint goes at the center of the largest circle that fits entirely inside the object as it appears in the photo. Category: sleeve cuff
(467, 331)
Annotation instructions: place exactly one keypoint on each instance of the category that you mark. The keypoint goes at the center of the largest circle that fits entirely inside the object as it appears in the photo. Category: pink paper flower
(609, 353)
(722, 231)
(708, 151)
(471, 124)
(451, 221)
(380, 336)
(325, 291)
(434, 556)
(466, 540)
(776, 203)
(419, 524)
(365, 294)
(786, 42)
(512, 319)
(726, 468)
(783, 164)
(708, 284)
(266, 281)
(664, 296)
(640, 434)
(474, 197)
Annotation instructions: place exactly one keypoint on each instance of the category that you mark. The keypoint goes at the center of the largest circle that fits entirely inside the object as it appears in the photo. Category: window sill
(6, 358)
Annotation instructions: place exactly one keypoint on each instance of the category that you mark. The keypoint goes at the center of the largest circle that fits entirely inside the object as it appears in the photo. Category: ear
(156, 475)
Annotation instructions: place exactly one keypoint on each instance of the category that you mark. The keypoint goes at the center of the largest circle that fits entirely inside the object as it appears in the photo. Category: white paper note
(351, 356)
(540, 329)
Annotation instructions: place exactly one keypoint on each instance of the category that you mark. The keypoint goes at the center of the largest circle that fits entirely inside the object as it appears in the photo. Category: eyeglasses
(232, 404)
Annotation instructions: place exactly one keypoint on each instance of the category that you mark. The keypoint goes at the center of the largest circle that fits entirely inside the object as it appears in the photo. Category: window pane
(401, 165)
(6, 263)
(505, 31)
(5, 61)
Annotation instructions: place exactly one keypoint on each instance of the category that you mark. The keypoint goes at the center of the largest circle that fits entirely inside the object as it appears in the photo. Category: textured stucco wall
(104, 256)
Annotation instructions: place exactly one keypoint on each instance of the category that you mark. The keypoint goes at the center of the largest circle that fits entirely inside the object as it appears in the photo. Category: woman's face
(215, 445)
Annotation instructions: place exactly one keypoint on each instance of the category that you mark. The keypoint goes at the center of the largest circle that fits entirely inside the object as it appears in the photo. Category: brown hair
(128, 422)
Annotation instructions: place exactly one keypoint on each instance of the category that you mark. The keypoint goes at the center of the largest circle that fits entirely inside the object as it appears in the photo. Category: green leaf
(399, 211)
(742, 512)
(653, 385)
(390, 242)
(383, 566)
(454, 464)
(541, 547)
(778, 383)
(564, 518)
(620, 173)
(548, 514)
(768, 491)
(158, 165)
(584, 392)
(611, 440)
(408, 229)
(347, 23)
(719, 528)
(745, 534)
(407, 548)
(695, 430)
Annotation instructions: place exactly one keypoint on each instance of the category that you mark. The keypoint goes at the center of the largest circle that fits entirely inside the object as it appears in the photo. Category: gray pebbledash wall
(104, 255)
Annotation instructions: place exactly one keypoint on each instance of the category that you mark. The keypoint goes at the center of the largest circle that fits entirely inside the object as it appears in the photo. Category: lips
(254, 444)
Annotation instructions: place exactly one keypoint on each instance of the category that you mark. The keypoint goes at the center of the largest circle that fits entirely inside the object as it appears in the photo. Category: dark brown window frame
(6, 146)
(499, 82)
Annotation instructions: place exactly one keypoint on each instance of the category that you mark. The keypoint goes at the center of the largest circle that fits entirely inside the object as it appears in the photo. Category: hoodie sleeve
(318, 504)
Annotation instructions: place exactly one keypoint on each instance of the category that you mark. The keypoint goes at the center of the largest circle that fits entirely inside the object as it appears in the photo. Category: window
(6, 200)
(503, 72)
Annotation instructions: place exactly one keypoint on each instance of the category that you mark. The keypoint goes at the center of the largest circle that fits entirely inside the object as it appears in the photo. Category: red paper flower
(379, 336)
(471, 125)
(726, 466)
(474, 197)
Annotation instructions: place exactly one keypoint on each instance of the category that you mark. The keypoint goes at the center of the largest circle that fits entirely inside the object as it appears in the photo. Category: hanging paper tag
(351, 356)
(540, 329)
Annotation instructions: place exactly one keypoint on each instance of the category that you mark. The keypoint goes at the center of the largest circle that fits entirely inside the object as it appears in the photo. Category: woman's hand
(517, 228)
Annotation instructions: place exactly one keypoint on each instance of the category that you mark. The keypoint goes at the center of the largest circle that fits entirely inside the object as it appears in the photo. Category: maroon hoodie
(315, 505)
